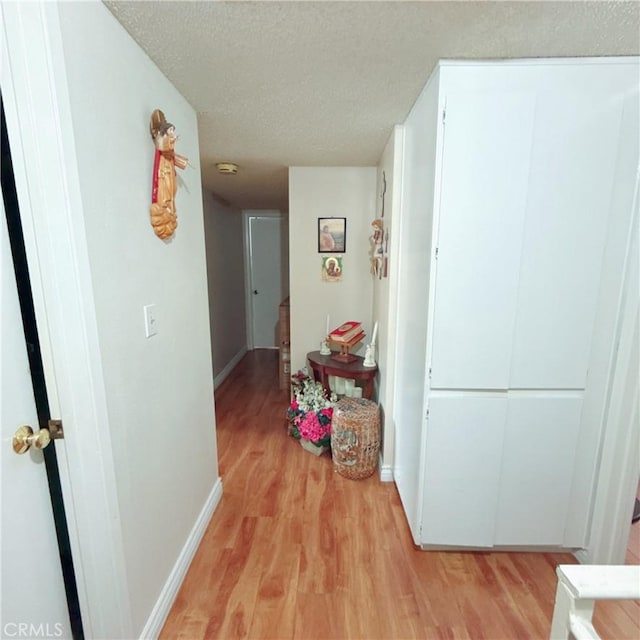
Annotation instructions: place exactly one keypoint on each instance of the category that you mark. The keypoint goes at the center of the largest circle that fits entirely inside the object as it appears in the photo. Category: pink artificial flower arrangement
(311, 411)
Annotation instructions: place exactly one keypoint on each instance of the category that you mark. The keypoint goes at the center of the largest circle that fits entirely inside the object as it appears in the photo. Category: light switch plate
(150, 320)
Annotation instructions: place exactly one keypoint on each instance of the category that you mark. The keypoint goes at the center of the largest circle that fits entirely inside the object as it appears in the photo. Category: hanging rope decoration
(164, 218)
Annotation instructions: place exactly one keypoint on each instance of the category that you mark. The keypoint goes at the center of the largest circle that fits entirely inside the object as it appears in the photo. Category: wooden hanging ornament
(164, 218)
(376, 250)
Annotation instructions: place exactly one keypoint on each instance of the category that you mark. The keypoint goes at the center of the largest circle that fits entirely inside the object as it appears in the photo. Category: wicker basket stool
(355, 438)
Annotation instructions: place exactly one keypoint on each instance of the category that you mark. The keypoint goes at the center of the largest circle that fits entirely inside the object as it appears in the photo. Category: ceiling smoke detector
(227, 167)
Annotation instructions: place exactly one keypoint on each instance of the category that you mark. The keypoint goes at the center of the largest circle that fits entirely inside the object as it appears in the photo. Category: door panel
(572, 172)
(541, 438)
(267, 281)
(462, 469)
(484, 184)
(32, 584)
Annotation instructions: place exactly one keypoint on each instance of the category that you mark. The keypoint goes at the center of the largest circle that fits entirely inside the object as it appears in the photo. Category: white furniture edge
(578, 588)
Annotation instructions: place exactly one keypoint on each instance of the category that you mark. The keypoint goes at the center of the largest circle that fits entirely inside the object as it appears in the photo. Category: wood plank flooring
(296, 551)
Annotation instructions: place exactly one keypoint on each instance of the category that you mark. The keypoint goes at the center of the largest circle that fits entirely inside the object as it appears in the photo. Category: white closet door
(266, 274)
(572, 171)
(487, 146)
(541, 437)
(462, 470)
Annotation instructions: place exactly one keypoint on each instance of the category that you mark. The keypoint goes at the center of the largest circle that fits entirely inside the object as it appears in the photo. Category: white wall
(159, 391)
(225, 275)
(417, 190)
(385, 292)
(316, 192)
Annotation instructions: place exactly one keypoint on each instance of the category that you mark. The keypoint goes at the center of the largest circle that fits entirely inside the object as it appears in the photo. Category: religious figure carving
(164, 218)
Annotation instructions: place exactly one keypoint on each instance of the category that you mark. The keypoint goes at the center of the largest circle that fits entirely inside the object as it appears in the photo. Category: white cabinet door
(462, 470)
(541, 437)
(573, 165)
(498, 469)
(487, 146)
(528, 218)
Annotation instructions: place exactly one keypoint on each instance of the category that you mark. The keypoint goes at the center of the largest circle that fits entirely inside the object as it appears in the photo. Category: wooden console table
(325, 366)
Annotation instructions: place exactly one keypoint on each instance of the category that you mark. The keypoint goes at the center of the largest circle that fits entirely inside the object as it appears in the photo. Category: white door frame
(619, 464)
(35, 93)
(246, 214)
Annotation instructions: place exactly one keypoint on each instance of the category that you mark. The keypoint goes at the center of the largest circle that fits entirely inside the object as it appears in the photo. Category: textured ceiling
(302, 83)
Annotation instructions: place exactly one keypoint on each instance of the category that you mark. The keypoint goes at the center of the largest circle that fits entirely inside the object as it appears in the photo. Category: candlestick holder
(324, 348)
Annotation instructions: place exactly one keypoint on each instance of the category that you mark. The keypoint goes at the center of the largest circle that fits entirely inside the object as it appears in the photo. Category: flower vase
(309, 446)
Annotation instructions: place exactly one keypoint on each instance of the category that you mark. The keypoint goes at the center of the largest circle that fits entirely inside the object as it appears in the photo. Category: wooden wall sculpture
(164, 218)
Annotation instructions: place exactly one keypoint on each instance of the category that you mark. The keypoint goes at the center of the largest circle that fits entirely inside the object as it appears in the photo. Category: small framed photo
(332, 235)
(331, 268)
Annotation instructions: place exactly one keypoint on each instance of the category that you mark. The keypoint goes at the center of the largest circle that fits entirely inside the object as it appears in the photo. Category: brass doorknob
(24, 439)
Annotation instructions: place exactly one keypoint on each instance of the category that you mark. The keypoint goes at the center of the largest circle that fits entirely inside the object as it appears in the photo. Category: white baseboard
(582, 556)
(385, 471)
(498, 549)
(170, 590)
(222, 376)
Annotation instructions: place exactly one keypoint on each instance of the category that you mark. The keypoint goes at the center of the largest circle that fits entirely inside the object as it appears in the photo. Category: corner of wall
(316, 192)
(169, 591)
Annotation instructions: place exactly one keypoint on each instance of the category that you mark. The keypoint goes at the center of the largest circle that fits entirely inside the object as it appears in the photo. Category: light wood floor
(296, 551)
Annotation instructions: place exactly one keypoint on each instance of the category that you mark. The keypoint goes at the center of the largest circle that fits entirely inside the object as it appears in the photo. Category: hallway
(296, 551)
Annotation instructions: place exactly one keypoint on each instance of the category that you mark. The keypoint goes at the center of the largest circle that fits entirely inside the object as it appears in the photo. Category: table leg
(368, 388)
(319, 375)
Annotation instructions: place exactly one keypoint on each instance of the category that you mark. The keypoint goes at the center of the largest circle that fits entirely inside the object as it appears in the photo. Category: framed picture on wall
(332, 235)
(331, 268)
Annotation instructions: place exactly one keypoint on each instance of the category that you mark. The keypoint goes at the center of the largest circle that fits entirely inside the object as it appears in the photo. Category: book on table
(346, 331)
(345, 347)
